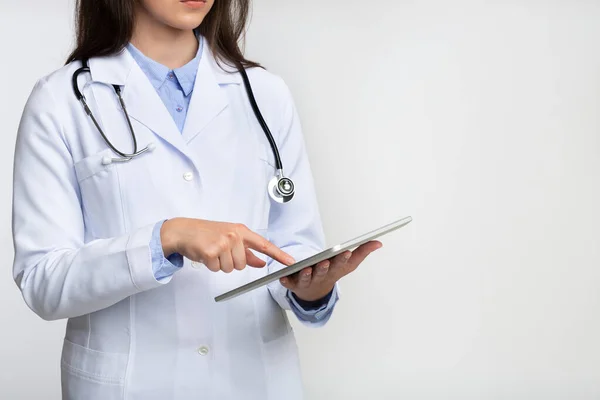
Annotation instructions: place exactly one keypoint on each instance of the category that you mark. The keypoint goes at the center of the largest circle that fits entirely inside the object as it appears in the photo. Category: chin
(185, 25)
(186, 22)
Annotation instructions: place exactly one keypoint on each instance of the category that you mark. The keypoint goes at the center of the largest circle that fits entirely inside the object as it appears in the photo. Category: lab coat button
(188, 176)
(196, 264)
(203, 350)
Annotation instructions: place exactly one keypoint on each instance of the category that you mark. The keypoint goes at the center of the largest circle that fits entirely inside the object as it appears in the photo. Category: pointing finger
(256, 242)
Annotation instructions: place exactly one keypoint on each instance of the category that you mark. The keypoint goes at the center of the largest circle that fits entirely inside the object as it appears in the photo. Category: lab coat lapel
(208, 97)
(146, 106)
(141, 100)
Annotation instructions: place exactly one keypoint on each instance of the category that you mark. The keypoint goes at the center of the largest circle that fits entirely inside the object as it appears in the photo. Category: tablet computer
(317, 258)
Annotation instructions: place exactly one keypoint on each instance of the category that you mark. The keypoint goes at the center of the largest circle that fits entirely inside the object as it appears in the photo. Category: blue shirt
(173, 86)
(175, 90)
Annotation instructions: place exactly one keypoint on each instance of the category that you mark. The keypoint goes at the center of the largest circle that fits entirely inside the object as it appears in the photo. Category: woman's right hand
(221, 246)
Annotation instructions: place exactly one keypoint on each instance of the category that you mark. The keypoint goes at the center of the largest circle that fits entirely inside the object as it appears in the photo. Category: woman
(134, 251)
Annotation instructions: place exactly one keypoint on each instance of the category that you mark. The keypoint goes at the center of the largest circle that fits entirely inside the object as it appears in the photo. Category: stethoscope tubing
(281, 188)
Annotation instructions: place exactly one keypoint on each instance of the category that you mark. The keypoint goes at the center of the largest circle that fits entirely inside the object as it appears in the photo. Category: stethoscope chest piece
(281, 189)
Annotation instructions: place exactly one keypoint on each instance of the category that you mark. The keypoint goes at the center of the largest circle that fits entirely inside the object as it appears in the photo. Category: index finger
(256, 242)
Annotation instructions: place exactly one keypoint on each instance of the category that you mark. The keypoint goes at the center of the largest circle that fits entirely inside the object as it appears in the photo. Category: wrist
(169, 237)
(314, 296)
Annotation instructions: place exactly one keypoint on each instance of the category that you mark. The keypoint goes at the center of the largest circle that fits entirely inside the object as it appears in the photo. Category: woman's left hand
(313, 283)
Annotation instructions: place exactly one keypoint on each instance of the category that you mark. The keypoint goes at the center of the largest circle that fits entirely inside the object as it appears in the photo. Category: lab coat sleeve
(296, 226)
(58, 274)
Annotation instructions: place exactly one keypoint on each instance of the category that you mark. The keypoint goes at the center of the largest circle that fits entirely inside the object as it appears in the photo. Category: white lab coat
(82, 232)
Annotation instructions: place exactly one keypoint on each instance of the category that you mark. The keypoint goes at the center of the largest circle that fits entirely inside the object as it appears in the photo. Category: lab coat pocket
(92, 165)
(282, 368)
(100, 195)
(272, 319)
(90, 374)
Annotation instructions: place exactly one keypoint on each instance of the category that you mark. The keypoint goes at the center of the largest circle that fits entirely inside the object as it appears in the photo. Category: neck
(164, 44)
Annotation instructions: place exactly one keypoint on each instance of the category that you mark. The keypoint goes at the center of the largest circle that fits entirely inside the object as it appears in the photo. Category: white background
(480, 119)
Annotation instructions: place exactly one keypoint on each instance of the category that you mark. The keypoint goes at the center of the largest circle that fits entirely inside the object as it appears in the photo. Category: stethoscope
(281, 188)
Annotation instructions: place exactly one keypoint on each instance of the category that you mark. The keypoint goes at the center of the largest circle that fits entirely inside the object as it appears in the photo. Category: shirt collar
(186, 75)
(157, 73)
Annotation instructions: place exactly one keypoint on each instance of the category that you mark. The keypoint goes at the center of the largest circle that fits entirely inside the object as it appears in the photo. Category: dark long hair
(104, 27)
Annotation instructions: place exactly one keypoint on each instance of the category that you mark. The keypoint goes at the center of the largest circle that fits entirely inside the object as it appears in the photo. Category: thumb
(253, 261)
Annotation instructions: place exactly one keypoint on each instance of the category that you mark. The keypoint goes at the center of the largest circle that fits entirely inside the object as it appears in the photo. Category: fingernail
(347, 256)
(290, 260)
